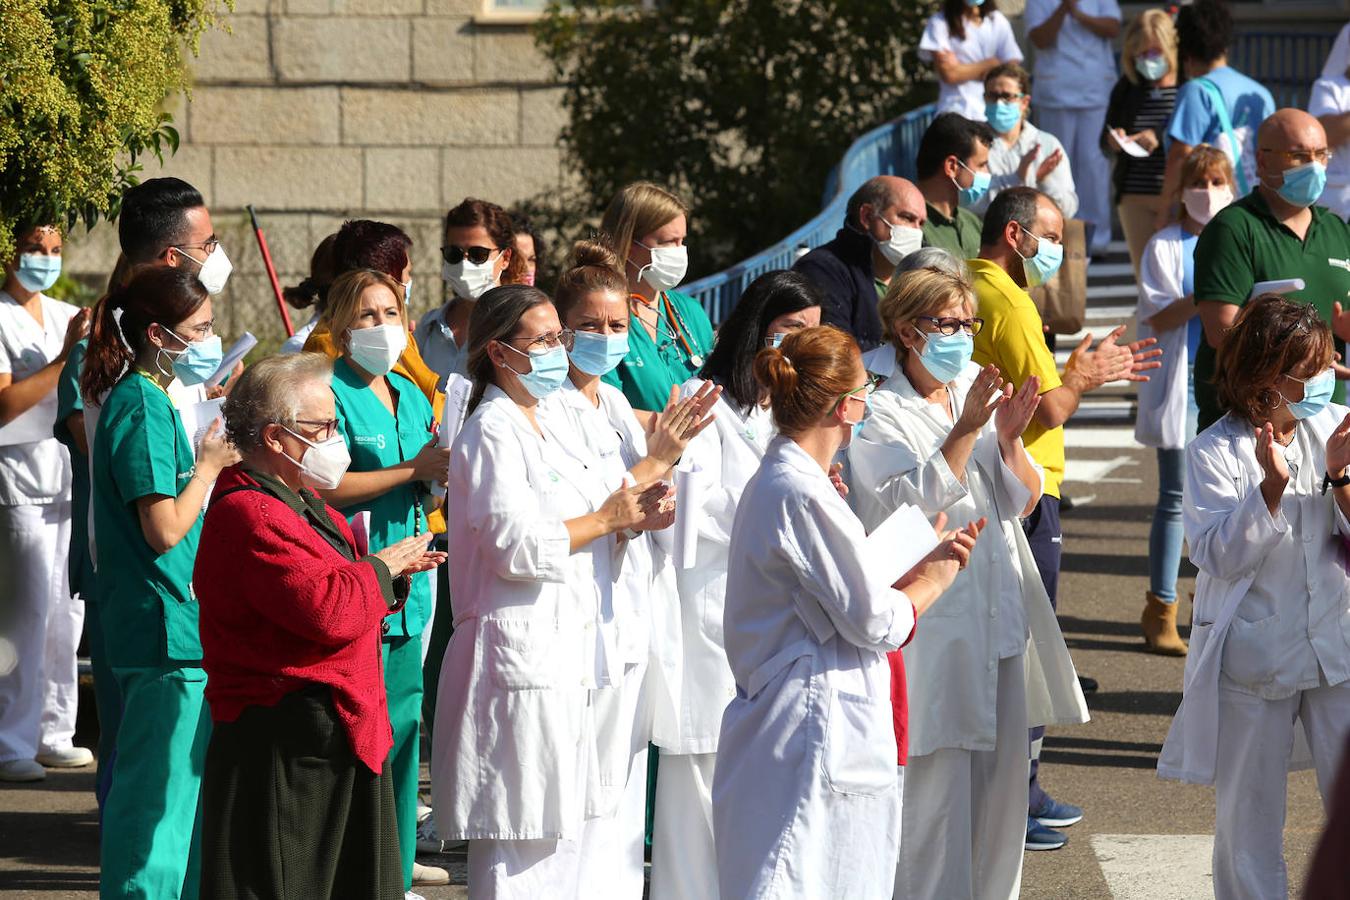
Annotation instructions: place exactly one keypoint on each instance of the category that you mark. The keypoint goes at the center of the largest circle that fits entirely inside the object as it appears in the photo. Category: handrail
(1287, 63)
(885, 150)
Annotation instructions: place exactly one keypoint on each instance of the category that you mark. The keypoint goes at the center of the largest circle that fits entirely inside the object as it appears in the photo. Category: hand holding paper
(1130, 147)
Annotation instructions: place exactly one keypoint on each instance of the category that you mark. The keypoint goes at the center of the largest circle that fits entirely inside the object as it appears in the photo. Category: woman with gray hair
(881, 361)
(291, 614)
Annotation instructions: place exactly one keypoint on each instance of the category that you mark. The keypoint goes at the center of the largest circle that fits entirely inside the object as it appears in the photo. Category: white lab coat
(728, 452)
(992, 608)
(805, 798)
(1161, 419)
(1233, 539)
(515, 744)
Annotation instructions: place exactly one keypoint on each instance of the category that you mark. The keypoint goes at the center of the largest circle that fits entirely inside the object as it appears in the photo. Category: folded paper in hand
(897, 544)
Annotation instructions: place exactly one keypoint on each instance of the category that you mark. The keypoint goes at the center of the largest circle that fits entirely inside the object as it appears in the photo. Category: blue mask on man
(1041, 266)
(1303, 185)
(969, 196)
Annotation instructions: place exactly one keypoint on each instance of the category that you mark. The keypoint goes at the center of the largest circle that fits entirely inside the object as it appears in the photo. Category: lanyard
(679, 330)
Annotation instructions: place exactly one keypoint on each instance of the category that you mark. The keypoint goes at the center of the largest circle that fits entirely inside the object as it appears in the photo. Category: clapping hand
(671, 430)
(1338, 449)
(1015, 413)
(410, 556)
(987, 393)
(662, 515)
(1270, 459)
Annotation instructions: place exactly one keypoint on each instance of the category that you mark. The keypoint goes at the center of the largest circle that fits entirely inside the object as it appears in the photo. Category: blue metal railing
(885, 150)
(1287, 64)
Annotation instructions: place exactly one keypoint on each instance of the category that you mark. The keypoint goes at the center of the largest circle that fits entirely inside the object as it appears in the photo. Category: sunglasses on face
(477, 255)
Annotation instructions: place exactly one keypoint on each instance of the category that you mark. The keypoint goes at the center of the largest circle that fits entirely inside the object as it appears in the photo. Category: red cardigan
(282, 609)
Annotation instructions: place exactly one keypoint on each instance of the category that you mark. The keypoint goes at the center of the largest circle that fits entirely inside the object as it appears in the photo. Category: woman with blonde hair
(1141, 104)
(671, 335)
(806, 799)
(390, 432)
(945, 435)
(1167, 410)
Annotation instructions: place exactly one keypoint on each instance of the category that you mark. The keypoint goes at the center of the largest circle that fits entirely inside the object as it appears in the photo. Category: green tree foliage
(741, 106)
(82, 85)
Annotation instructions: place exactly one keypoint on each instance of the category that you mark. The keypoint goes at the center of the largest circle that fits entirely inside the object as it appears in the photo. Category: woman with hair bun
(806, 798)
(312, 291)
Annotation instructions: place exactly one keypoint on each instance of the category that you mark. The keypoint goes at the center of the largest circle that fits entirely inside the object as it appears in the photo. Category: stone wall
(318, 110)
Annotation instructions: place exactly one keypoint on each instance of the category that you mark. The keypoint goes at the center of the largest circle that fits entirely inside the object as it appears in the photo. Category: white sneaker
(429, 875)
(69, 758)
(21, 770)
(412, 895)
(423, 813)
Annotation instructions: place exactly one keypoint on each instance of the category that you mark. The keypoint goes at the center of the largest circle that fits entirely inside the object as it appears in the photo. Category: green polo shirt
(1245, 244)
(959, 235)
(377, 440)
(141, 450)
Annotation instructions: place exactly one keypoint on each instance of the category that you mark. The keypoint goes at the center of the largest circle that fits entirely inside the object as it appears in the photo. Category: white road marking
(1110, 270)
(1117, 438)
(1096, 471)
(1156, 866)
(1104, 411)
(1112, 291)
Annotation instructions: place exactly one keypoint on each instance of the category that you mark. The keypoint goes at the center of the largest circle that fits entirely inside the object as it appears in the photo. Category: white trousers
(1256, 740)
(684, 858)
(40, 626)
(1080, 131)
(965, 811)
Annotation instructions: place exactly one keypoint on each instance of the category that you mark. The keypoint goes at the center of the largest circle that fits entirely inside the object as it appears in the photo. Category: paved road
(1142, 837)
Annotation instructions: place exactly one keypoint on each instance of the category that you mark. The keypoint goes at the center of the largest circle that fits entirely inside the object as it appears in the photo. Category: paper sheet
(1129, 146)
(457, 390)
(897, 544)
(232, 357)
(1278, 286)
(198, 417)
(689, 486)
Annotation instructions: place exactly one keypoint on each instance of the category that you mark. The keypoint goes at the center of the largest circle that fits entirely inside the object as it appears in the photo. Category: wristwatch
(1329, 482)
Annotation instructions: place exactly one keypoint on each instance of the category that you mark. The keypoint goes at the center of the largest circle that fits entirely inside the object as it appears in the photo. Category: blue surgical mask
(1303, 185)
(548, 370)
(598, 354)
(969, 196)
(858, 425)
(1003, 116)
(775, 339)
(1151, 67)
(198, 361)
(38, 271)
(946, 355)
(1044, 263)
(974, 2)
(1317, 392)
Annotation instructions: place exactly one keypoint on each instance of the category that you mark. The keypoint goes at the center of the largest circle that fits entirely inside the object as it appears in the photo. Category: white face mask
(322, 465)
(902, 242)
(213, 271)
(667, 268)
(1202, 203)
(377, 349)
(468, 280)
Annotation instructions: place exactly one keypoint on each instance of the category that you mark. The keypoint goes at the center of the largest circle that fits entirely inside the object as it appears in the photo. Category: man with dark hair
(1217, 105)
(164, 222)
(882, 224)
(1020, 247)
(953, 170)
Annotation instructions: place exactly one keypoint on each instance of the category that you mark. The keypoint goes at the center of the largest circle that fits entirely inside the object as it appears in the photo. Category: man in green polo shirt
(1272, 234)
(953, 170)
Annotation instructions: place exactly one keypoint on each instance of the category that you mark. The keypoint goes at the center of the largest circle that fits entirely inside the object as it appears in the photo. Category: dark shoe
(1040, 837)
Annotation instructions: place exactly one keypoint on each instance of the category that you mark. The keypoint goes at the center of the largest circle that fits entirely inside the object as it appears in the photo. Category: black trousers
(289, 812)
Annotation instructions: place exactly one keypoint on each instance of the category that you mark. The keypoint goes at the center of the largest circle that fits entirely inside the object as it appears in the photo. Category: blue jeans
(1166, 535)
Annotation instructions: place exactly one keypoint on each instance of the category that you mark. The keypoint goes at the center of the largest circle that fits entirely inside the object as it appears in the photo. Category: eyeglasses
(949, 325)
(1005, 96)
(326, 427)
(868, 388)
(1303, 157)
(209, 245)
(545, 342)
(477, 255)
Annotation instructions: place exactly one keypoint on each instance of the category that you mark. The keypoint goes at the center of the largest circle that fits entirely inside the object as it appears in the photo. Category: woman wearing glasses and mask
(946, 436)
(1266, 501)
(388, 427)
(530, 524)
(148, 492)
(478, 249)
(670, 335)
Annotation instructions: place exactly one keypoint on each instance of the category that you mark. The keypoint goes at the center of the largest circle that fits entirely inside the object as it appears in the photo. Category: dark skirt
(289, 812)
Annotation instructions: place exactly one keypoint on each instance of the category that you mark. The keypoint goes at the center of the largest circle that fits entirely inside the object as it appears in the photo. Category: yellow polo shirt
(1013, 340)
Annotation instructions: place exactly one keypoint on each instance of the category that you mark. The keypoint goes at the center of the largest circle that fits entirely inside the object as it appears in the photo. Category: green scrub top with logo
(378, 440)
(653, 367)
(141, 450)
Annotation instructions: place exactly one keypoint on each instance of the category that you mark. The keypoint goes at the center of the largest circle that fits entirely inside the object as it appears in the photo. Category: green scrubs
(378, 440)
(1245, 244)
(107, 699)
(653, 366)
(149, 615)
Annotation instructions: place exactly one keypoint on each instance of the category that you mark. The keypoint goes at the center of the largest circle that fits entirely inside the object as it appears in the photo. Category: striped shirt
(1145, 176)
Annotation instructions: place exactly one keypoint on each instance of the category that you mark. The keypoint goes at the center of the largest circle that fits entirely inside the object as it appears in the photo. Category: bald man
(1275, 233)
(882, 224)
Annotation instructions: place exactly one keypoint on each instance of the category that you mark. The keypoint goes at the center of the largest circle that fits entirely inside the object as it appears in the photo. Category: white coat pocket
(860, 754)
(1249, 658)
(526, 655)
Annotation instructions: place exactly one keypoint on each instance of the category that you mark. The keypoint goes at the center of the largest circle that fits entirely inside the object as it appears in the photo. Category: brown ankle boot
(1159, 623)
